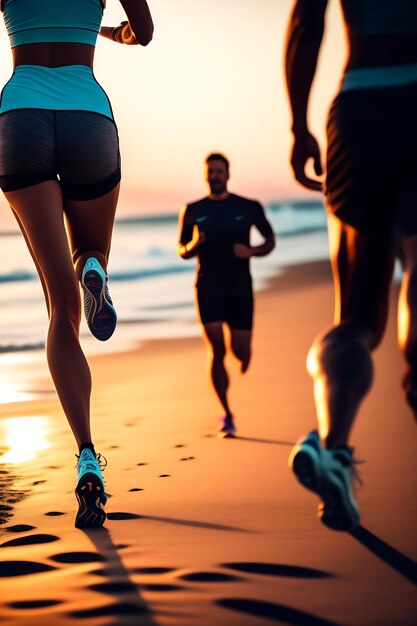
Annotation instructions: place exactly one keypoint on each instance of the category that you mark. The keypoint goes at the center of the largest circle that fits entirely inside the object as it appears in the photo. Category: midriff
(53, 54)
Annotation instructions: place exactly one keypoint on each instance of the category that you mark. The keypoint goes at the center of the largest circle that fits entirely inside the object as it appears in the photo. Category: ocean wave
(21, 347)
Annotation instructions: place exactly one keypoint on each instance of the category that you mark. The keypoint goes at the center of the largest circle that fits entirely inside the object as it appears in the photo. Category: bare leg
(241, 347)
(407, 320)
(339, 360)
(214, 337)
(90, 228)
(40, 211)
(38, 269)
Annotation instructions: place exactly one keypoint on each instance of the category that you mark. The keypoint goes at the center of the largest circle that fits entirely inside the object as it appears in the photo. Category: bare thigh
(214, 338)
(90, 224)
(39, 212)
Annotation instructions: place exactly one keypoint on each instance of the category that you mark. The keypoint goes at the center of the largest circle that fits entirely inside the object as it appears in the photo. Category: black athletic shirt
(224, 223)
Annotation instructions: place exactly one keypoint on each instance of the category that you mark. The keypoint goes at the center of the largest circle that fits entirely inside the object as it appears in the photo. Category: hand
(242, 251)
(306, 147)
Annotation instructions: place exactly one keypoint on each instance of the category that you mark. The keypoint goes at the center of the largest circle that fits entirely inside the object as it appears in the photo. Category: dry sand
(211, 532)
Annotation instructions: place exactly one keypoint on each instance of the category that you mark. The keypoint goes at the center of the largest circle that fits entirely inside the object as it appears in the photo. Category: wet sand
(204, 531)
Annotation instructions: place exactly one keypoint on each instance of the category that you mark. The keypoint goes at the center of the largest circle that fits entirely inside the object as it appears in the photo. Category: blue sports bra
(48, 21)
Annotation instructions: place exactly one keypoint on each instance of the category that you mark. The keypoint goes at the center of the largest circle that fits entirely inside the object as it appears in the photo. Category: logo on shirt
(201, 219)
(239, 217)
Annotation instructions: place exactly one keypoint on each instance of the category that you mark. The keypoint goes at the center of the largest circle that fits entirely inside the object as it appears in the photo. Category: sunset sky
(212, 79)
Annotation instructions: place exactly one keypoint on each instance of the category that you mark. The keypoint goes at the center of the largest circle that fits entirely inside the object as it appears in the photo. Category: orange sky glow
(211, 80)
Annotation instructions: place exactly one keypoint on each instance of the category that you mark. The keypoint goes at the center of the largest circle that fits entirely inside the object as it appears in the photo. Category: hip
(65, 88)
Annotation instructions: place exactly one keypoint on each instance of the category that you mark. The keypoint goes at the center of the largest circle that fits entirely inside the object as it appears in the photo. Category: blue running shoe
(227, 427)
(305, 461)
(338, 509)
(98, 306)
(90, 490)
(330, 474)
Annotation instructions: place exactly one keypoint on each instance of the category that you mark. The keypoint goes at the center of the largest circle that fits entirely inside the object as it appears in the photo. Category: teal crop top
(48, 21)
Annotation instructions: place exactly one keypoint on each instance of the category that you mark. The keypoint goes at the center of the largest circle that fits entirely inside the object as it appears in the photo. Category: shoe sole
(90, 495)
(102, 318)
(335, 511)
(227, 435)
(305, 468)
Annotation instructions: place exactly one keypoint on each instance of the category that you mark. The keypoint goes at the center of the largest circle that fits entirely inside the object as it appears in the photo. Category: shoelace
(101, 460)
(355, 472)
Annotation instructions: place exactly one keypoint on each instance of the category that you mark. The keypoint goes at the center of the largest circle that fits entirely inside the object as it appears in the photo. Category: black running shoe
(90, 491)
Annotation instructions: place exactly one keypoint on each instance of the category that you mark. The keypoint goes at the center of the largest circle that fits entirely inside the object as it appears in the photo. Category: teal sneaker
(330, 474)
(305, 461)
(90, 490)
(338, 509)
(98, 306)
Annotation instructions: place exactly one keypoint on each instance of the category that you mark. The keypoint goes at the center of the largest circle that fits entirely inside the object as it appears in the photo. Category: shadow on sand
(127, 607)
(274, 442)
(273, 612)
(392, 557)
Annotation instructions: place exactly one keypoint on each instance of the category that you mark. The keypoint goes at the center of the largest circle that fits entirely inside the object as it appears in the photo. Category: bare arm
(190, 237)
(243, 251)
(138, 30)
(304, 36)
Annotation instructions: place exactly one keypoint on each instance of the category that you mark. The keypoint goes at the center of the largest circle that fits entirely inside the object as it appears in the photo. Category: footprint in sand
(180, 445)
(22, 568)
(161, 587)
(187, 458)
(136, 489)
(276, 569)
(164, 475)
(77, 557)
(19, 528)
(34, 604)
(54, 513)
(209, 577)
(112, 610)
(150, 571)
(39, 482)
(139, 464)
(123, 516)
(30, 540)
(114, 587)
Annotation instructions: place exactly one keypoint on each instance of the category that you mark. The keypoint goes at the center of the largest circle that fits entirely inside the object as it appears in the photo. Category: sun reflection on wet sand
(10, 392)
(23, 438)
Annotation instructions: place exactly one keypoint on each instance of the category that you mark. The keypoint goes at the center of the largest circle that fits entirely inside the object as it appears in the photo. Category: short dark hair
(217, 156)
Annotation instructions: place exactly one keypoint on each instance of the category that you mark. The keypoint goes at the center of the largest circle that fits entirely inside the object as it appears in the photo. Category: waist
(53, 54)
(377, 77)
(66, 88)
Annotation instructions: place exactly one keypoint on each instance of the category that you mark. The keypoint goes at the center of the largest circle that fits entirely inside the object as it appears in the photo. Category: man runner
(217, 229)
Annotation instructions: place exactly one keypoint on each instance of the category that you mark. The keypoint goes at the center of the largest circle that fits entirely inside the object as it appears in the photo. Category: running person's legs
(340, 364)
(90, 187)
(39, 210)
(340, 359)
(241, 346)
(214, 338)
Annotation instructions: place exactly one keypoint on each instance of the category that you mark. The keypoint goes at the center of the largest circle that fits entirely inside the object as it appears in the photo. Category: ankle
(87, 445)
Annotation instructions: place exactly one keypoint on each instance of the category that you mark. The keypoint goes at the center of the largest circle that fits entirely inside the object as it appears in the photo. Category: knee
(66, 308)
(242, 353)
(217, 351)
(343, 354)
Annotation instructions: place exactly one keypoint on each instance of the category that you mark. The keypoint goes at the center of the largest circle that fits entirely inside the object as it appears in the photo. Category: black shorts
(236, 311)
(372, 159)
(80, 148)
